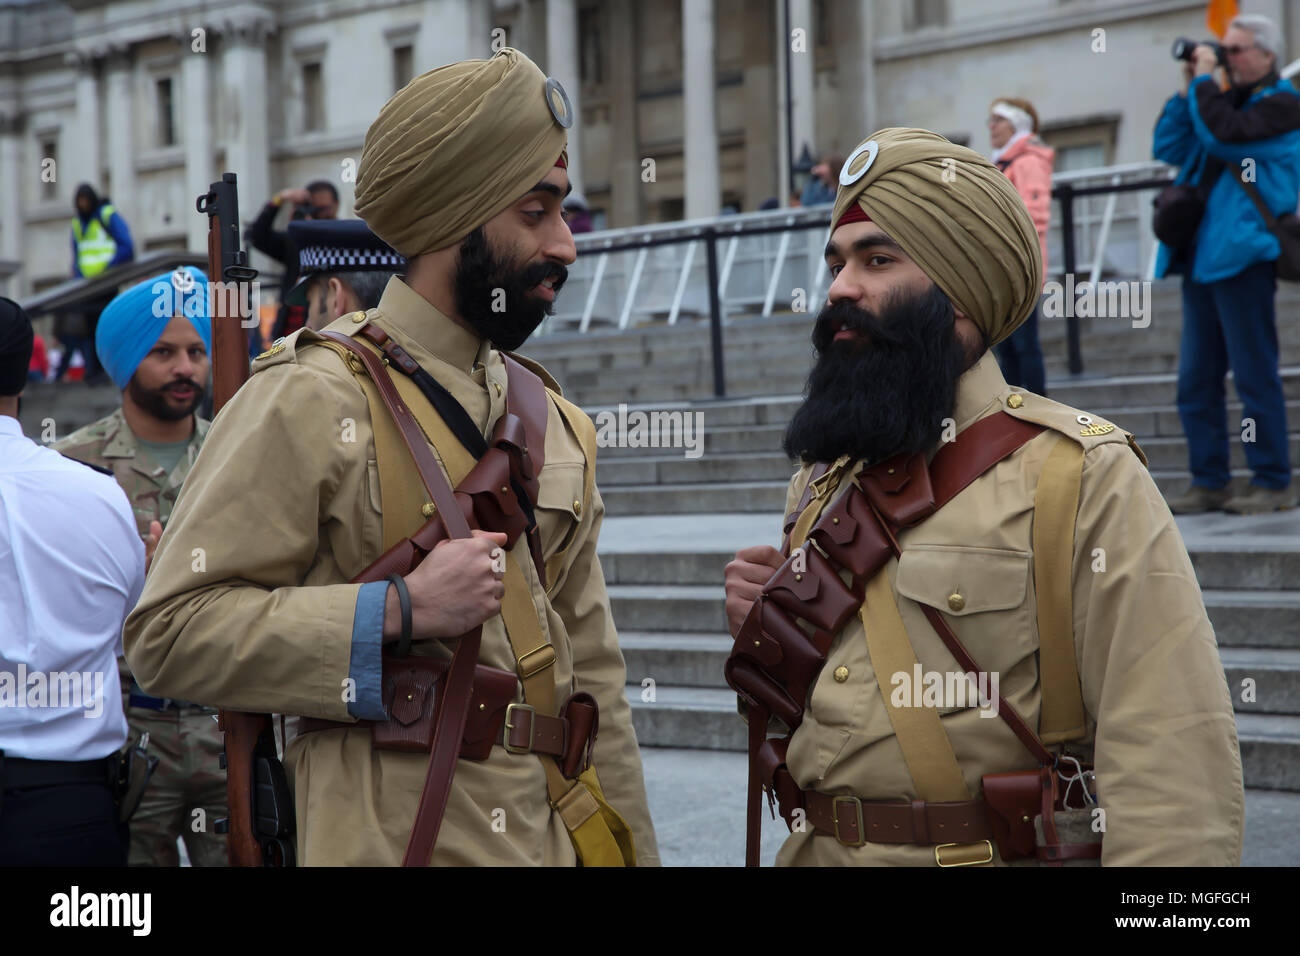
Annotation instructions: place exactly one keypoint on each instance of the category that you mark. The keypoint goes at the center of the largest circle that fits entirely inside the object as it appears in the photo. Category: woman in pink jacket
(1027, 162)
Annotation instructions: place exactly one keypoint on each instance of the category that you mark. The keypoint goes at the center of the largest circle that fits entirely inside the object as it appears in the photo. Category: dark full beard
(481, 272)
(886, 396)
(156, 404)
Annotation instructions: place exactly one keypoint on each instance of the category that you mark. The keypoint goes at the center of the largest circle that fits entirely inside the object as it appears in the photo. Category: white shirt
(71, 569)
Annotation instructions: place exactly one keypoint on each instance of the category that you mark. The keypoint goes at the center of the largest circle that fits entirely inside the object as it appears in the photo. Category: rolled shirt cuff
(366, 663)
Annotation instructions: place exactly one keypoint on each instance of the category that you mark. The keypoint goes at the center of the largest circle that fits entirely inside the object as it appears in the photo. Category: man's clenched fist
(745, 577)
(454, 590)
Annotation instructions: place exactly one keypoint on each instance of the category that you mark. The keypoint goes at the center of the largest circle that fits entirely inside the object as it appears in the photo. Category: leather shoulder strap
(435, 482)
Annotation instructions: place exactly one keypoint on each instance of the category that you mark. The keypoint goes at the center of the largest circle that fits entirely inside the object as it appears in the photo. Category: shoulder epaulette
(1087, 429)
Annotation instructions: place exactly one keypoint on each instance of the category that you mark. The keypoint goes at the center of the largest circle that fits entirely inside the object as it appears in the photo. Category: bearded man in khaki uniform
(934, 259)
(463, 173)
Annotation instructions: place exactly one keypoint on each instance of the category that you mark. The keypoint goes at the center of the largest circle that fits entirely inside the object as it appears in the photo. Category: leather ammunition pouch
(1023, 810)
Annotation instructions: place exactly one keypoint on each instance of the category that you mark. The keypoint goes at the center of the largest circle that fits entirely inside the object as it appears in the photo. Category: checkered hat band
(332, 259)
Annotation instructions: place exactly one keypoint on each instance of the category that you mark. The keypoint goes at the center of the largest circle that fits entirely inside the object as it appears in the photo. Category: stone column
(562, 63)
(780, 124)
(80, 150)
(196, 93)
(700, 149)
(478, 16)
(802, 69)
(119, 127)
(12, 177)
(855, 40)
(244, 81)
(625, 187)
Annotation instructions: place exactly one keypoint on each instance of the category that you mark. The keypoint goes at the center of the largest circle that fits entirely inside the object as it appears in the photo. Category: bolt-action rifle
(260, 825)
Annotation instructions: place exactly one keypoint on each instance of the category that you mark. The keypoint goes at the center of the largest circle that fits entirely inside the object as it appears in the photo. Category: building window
(591, 58)
(166, 128)
(928, 13)
(313, 99)
(403, 66)
(49, 161)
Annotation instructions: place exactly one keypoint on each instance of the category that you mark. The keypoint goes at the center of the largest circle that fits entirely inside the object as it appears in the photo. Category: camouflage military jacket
(109, 443)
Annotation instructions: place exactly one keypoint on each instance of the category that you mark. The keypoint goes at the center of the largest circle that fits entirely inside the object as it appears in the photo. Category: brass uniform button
(427, 509)
(841, 674)
(358, 317)
(956, 601)
(577, 508)
(1015, 401)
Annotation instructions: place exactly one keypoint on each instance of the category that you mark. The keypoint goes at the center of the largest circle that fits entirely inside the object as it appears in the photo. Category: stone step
(1263, 618)
(1246, 563)
(766, 497)
(674, 659)
(1168, 453)
(706, 719)
(1274, 674)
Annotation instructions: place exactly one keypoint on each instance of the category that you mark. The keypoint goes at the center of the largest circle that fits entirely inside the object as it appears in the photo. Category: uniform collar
(979, 388)
(419, 324)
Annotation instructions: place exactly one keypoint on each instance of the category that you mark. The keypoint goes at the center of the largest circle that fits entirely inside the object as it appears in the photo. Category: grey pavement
(697, 801)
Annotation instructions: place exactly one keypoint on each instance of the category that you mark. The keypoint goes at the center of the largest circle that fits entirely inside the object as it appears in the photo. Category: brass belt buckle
(532, 728)
(938, 858)
(835, 819)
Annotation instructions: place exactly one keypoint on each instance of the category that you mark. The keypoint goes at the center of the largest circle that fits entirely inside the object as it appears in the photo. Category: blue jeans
(1021, 357)
(1231, 324)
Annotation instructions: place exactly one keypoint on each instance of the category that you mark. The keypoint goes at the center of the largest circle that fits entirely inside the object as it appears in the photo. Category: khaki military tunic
(249, 607)
(110, 443)
(1159, 718)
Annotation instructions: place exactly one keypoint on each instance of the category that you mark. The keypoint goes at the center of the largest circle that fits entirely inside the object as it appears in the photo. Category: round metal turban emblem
(856, 166)
(558, 101)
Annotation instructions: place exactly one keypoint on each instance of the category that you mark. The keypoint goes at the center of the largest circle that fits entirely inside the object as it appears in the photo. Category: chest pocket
(985, 594)
(560, 505)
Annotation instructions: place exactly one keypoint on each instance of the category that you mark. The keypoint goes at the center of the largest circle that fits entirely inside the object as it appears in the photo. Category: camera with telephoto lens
(305, 210)
(1184, 49)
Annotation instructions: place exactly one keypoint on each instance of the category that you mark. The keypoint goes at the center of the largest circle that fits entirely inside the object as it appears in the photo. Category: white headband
(1018, 118)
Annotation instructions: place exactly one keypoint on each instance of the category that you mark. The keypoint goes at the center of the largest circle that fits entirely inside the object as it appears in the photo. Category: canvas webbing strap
(1056, 505)
(925, 745)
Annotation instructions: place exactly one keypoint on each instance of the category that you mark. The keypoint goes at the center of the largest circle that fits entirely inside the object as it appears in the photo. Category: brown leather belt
(854, 821)
(525, 730)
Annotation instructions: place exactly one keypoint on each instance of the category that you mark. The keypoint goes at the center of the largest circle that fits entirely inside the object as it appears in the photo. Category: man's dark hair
(367, 285)
(323, 185)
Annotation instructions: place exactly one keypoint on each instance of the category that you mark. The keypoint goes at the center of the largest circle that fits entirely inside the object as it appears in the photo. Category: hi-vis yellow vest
(95, 247)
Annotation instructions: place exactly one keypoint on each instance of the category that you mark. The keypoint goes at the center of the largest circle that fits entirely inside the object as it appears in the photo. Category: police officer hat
(337, 245)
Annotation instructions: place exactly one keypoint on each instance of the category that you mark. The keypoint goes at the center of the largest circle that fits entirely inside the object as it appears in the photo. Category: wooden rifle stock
(228, 276)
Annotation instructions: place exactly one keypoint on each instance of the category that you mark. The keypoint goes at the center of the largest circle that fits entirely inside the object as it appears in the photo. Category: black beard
(481, 272)
(885, 396)
(155, 402)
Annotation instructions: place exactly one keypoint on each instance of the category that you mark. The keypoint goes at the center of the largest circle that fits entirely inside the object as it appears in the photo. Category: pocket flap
(962, 581)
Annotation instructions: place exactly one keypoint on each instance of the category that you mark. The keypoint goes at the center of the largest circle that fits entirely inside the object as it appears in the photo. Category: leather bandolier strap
(776, 659)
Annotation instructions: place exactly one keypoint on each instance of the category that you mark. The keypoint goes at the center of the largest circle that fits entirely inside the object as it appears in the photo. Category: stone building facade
(149, 100)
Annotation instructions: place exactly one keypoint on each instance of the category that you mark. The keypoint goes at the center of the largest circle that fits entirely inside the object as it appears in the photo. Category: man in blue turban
(154, 341)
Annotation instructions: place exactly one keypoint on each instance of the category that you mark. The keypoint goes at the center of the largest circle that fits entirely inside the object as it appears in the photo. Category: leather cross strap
(452, 706)
(525, 732)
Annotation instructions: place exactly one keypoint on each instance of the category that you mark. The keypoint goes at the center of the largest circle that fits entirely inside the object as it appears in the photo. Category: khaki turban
(453, 148)
(957, 216)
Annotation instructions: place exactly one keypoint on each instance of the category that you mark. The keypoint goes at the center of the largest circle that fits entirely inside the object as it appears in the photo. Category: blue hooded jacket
(1265, 128)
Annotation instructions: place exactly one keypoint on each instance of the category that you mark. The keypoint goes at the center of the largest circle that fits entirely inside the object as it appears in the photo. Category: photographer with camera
(1213, 232)
(318, 200)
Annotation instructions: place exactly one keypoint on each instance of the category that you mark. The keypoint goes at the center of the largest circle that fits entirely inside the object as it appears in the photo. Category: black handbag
(1287, 229)
(1179, 209)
